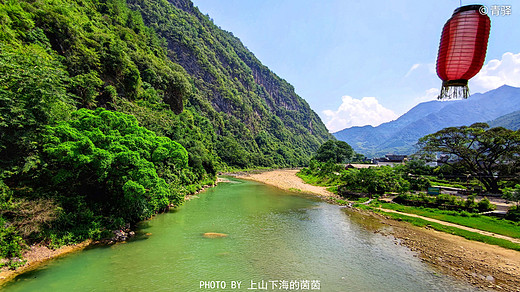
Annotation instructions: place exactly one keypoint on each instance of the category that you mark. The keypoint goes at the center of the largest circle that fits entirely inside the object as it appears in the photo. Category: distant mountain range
(510, 121)
(498, 107)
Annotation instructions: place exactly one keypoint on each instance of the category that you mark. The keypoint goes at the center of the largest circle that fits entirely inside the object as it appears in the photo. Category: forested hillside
(244, 100)
(106, 118)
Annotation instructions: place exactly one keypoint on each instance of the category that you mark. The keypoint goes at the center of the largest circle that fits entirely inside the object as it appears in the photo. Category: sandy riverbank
(286, 179)
(483, 265)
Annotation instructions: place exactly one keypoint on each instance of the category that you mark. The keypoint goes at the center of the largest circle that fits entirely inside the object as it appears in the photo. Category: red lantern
(462, 49)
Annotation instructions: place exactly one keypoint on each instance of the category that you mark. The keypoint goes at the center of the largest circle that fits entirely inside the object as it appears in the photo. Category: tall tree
(490, 155)
(335, 150)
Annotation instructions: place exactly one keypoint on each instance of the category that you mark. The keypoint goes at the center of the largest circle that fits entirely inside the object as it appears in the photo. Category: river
(276, 237)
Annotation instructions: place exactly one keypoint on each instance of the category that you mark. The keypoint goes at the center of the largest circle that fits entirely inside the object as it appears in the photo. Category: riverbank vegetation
(373, 181)
(472, 220)
(488, 156)
(444, 207)
(93, 173)
(445, 202)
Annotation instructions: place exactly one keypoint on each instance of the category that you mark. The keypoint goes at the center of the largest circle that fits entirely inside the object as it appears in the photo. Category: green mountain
(510, 121)
(113, 110)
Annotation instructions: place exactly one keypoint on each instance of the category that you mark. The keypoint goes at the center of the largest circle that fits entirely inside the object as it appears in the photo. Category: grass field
(456, 231)
(486, 223)
(317, 181)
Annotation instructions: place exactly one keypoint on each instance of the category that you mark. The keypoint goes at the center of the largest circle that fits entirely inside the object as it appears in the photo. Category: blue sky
(362, 62)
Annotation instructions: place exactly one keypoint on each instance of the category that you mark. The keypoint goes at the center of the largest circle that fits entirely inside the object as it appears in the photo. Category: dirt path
(512, 239)
(483, 265)
(286, 179)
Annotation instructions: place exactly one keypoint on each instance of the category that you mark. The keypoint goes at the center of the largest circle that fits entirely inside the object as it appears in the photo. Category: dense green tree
(490, 155)
(121, 168)
(418, 167)
(336, 151)
(375, 180)
(32, 94)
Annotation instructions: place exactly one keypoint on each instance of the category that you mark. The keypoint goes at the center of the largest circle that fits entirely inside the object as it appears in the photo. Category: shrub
(11, 244)
(513, 214)
(446, 202)
(419, 183)
(485, 205)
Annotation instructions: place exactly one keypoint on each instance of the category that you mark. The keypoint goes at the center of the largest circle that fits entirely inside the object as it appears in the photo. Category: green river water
(273, 236)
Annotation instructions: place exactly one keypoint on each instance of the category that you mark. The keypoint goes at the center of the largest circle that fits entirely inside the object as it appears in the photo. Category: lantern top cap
(467, 8)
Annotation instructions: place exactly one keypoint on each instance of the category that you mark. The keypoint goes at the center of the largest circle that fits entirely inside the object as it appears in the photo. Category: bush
(11, 244)
(485, 205)
(445, 202)
(419, 183)
(512, 194)
(513, 214)
(470, 203)
(465, 214)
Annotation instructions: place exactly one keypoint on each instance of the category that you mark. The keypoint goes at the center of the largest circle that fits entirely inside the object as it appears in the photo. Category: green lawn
(456, 231)
(454, 184)
(317, 181)
(486, 223)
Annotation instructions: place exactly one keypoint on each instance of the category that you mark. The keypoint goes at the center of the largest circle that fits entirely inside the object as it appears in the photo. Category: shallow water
(273, 236)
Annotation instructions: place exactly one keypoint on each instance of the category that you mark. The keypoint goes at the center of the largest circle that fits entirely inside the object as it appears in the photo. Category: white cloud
(497, 73)
(357, 112)
(414, 66)
(428, 68)
(430, 94)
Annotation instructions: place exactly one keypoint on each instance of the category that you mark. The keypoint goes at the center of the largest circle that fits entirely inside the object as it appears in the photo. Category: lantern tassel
(451, 91)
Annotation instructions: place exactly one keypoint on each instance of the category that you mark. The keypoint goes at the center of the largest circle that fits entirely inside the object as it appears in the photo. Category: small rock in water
(121, 235)
(214, 235)
(490, 278)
